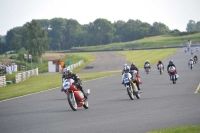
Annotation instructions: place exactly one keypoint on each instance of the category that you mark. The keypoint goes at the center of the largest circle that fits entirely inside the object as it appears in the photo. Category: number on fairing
(66, 85)
(126, 80)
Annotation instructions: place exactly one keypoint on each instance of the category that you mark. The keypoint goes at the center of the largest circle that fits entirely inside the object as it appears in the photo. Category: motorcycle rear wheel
(72, 102)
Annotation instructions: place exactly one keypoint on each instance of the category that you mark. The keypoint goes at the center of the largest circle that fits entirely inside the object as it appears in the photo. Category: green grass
(42, 82)
(179, 129)
(48, 81)
(140, 56)
(156, 41)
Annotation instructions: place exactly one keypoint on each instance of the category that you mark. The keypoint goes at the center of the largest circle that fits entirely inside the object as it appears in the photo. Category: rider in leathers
(171, 64)
(68, 74)
(160, 62)
(133, 67)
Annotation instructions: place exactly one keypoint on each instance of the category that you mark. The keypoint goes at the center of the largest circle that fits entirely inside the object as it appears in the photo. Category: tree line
(38, 36)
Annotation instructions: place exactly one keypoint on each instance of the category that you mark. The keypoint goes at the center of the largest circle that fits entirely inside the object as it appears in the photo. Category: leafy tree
(20, 54)
(191, 26)
(37, 42)
(56, 33)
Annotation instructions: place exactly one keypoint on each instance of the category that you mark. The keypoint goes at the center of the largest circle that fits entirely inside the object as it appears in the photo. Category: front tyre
(72, 101)
(130, 92)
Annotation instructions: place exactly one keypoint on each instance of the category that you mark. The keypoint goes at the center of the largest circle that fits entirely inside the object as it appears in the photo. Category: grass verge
(179, 129)
(140, 56)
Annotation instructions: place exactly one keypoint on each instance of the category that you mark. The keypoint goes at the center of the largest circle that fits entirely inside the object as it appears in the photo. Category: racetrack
(162, 105)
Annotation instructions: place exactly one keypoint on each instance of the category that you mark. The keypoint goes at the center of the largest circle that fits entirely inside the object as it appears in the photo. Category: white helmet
(126, 69)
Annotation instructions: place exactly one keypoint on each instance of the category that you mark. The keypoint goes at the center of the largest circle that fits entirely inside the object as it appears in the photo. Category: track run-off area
(162, 105)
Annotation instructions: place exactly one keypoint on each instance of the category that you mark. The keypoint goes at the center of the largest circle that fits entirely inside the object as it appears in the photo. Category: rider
(124, 67)
(67, 74)
(133, 67)
(171, 64)
(190, 60)
(160, 62)
(196, 57)
(147, 62)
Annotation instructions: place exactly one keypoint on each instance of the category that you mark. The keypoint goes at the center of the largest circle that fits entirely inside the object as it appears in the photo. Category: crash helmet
(159, 61)
(126, 69)
(67, 72)
(171, 62)
(132, 65)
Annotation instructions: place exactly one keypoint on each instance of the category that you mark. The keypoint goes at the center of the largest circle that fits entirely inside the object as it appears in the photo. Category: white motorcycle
(147, 68)
(191, 64)
(130, 85)
(160, 68)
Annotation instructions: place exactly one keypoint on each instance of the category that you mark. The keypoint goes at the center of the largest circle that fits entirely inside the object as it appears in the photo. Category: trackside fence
(71, 67)
(25, 75)
(2, 81)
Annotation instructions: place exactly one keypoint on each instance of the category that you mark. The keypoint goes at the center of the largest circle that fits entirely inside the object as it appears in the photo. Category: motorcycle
(75, 96)
(147, 68)
(191, 64)
(191, 52)
(195, 60)
(160, 68)
(172, 74)
(131, 86)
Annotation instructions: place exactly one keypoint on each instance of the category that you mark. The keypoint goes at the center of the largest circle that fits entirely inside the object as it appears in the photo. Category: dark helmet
(132, 65)
(171, 62)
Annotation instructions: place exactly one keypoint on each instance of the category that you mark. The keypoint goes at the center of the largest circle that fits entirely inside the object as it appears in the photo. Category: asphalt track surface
(162, 105)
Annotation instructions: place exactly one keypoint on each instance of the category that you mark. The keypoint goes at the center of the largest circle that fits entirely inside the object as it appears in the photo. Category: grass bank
(149, 42)
(179, 129)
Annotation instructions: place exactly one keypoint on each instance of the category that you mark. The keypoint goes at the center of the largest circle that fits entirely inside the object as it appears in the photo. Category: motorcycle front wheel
(86, 105)
(130, 92)
(72, 101)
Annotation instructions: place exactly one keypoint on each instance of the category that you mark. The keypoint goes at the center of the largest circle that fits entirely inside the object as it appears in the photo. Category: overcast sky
(173, 13)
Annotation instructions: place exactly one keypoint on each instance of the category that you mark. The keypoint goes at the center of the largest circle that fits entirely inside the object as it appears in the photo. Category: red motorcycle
(75, 96)
(173, 74)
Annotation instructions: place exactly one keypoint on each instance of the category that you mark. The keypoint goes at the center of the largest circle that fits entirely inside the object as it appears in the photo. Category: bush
(13, 57)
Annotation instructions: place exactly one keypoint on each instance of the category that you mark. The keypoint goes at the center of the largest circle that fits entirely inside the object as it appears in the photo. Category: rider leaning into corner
(133, 67)
(68, 74)
(160, 62)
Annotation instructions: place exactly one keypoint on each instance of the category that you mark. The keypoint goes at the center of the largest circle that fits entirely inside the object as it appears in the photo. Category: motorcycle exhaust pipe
(88, 92)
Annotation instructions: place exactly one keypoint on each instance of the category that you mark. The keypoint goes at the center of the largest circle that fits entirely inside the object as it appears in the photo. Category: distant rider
(68, 74)
(147, 62)
(196, 57)
(160, 62)
(189, 61)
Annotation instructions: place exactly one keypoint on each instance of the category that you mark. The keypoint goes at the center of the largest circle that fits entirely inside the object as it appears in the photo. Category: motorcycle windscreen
(79, 95)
